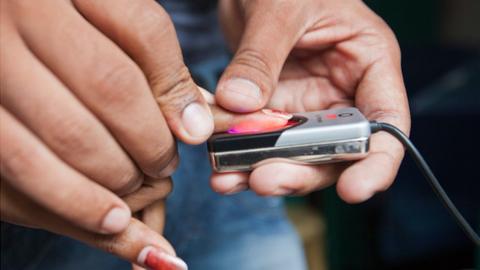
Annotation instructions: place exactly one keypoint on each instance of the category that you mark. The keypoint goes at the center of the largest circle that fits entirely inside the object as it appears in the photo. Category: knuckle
(73, 140)
(152, 190)
(117, 83)
(159, 158)
(161, 188)
(175, 90)
(107, 243)
(164, 189)
(255, 60)
(152, 24)
(389, 42)
(128, 182)
(168, 169)
(385, 38)
(70, 136)
(394, 48)
(167, 188)
(16, 160)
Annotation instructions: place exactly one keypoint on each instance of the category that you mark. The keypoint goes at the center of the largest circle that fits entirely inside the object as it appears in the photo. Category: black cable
(432, 180)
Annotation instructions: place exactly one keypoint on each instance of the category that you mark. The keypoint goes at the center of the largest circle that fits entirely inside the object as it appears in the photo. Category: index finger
(137, 243)
(31, 168)
(258, 121)
(104, 79)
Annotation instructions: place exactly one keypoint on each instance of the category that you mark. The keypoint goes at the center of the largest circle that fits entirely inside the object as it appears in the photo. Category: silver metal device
(310, 138)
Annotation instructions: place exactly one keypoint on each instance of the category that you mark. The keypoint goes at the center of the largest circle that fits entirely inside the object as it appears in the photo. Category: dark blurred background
(407, 227)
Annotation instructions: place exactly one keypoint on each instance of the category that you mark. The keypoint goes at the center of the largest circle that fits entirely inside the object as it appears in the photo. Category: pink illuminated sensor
(259, 127)
(331, 116)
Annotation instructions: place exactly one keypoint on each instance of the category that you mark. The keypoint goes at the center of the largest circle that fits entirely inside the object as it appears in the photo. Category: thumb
(248, 81)
(157, 52)
(263, 120)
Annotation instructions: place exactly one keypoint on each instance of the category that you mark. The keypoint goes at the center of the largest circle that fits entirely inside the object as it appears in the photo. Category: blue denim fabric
(209, 231)
(242, 231)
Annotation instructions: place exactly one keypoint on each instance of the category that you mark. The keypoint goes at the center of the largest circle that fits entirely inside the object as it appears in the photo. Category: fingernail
(237, 188)
(277, 113)
(116, 220)
(197, 120)
(242, 88)
(154, 259)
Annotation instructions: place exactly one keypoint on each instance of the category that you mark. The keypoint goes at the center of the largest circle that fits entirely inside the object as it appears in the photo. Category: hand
(137, 243)
(78, 114)
(142, 245)
(91, 92)
(309, 55)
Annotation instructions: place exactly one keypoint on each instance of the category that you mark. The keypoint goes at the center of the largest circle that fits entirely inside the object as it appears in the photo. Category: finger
(144, 30)
(209, 98)
(137, 243)
(229, 183)
(104, 78)
(373, 174)
(249, 80)
(154, 217)
(32, 169)
(380, 96)
(48, 109)
(151, 191)
(279, 179)
(231, 22)
(252, 122)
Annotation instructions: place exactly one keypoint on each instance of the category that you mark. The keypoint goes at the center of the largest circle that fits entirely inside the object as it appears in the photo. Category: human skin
(94, 89)
(92, 95)
(87, 113)
(309, 55)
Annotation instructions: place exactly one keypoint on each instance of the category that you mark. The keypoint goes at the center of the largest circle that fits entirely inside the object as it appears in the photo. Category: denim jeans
(209, 231)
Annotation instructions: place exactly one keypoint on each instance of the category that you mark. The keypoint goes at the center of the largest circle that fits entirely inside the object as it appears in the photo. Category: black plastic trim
(222, 142)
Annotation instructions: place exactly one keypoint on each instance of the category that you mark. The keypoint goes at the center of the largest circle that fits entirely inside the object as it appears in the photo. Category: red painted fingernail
(277, 113)
(154, 259)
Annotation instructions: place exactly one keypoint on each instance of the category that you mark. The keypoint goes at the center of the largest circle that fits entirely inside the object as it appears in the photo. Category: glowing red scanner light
(331, 116)
(249, 127)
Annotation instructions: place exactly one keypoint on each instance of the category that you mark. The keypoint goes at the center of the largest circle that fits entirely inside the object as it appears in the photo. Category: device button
(331, 116)
(343, 115)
